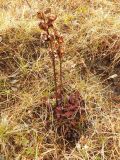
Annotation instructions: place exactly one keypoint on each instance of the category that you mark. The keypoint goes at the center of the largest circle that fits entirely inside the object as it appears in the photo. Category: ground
(91, 65)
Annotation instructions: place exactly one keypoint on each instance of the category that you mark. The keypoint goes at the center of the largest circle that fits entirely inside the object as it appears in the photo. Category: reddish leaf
(58, 115)
(73, 122)
(71, 100)
(68, 114)
(58, 110)
(73, 107)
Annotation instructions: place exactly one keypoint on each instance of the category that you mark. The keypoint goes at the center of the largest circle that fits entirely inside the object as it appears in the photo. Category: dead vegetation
(28, 129)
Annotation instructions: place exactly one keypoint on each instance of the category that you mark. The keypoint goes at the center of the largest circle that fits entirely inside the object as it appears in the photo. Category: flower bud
(43, 26)
(60, 39)
(40, 15)
(52, 17)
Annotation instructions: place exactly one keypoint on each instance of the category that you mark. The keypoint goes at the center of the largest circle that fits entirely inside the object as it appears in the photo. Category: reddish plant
(70, 113)
(55, 45)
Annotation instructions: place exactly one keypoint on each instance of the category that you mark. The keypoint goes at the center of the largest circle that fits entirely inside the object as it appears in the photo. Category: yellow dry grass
(92, 36)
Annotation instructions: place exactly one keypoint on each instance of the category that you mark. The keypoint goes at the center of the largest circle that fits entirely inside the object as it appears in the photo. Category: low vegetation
(59, 80)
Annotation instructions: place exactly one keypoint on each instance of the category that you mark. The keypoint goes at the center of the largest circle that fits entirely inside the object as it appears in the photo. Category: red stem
(61, 85)
(54, 70)
(55, 78)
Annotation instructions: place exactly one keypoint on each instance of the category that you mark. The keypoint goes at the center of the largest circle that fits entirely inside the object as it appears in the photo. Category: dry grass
(92, 38)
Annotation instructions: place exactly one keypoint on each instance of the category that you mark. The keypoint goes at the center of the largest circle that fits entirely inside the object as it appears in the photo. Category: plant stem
(54, 70)
(61, 85)
(55, 78)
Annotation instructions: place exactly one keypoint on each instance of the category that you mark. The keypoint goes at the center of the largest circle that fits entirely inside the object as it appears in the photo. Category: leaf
(68, 114)
(72, 107)
(58, 115)
(73, 122)
(58, 110)
(72, 99)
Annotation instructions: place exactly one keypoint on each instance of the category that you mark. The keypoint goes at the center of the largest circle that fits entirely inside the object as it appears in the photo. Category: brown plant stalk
(55, 43)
